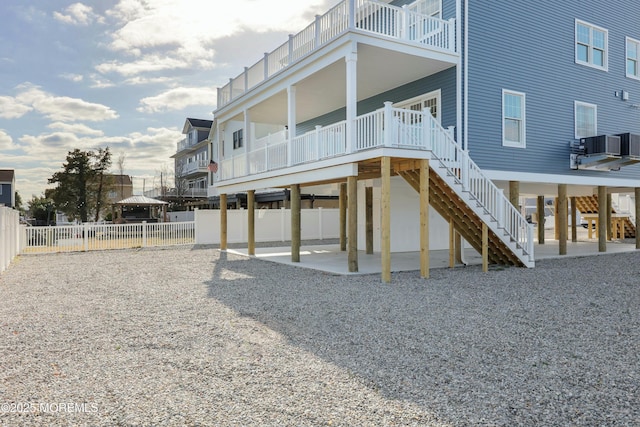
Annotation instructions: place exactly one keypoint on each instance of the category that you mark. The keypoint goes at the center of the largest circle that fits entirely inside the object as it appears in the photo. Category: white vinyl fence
(9, 236)
(271, 225)
(87, 237)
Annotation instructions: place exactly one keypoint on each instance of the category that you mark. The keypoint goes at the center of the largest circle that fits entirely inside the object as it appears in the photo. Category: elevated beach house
(434, 117)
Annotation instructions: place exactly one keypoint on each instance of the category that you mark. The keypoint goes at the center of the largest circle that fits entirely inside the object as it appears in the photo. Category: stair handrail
(474, 181)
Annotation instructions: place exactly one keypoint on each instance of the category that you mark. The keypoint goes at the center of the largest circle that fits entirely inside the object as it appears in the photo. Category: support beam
(424, 219)
(342, 201)
(385, 225)
(251, 225)
(514, 194)
(368, 205)
(458, 249)
(540, 210)
(352, 223)
(452, 244)
(574, 220)
(609, 209)
(562, 220)
(485, 247)
(223, 222)
(295, 223)
(637, 203)
(602, 218)
(556, 217)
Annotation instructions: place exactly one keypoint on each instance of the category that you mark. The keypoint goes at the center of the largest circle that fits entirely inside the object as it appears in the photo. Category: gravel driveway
(192, 337)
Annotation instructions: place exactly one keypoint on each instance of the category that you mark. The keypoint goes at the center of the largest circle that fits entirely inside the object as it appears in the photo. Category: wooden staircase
(590, 205)
(451, 207)
(458, 207)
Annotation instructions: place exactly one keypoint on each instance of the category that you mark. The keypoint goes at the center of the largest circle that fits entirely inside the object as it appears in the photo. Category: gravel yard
(190, 336)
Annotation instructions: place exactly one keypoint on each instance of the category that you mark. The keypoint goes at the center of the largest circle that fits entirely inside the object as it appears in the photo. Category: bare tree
(180, 181)
(121, 158)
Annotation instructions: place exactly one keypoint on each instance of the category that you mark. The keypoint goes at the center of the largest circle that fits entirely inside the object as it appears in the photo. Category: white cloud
(77, 14)
(11, 108)
(6, 142)
(178, 99)
(165, 35)
(98, 82)
(76, 128)
(138, 80)
(72, 77)
(62, 108)
(148, 63)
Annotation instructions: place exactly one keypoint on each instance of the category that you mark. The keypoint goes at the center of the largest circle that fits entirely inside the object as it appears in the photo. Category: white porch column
(291, 121)
(247, 139)
(352, 98)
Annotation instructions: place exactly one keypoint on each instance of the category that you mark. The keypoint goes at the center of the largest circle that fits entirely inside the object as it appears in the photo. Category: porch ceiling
(378, 70)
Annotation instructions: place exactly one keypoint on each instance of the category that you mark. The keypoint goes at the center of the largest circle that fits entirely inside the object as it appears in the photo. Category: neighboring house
(496, 97)
(191, 160)
(121, 188)
(7, 188)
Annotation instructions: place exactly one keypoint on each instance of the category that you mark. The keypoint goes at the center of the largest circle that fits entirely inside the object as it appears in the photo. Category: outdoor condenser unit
(601, 144)
(629, 144)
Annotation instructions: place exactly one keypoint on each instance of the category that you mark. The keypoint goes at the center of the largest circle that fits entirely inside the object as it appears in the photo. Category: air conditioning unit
(629, 144)
(601, 144)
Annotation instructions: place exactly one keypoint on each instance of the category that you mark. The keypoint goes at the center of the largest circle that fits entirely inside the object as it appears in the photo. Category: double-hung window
(513, 119)
(633, 56)
(586, 119)
(591, 45)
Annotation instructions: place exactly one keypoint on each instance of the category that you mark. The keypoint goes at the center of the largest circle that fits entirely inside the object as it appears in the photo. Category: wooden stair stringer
(467, 222)
(590, 205)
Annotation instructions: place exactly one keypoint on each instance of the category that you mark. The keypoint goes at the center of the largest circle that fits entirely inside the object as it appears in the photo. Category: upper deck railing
(372, 16)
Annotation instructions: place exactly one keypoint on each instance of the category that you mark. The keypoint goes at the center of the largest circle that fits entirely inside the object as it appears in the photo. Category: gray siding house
(7, 187)
(191, 159)
(438, 117)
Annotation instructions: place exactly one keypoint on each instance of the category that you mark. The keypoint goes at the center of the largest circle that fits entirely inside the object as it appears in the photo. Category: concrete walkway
(329, 258)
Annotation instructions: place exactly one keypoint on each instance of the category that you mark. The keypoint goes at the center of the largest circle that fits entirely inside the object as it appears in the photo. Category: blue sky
(123, 74)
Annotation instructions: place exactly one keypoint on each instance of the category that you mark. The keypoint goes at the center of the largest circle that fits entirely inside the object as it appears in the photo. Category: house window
(237, 139)
(586, 119)
(513, 119)
(430, 101)
(633, 54)
(591, 45)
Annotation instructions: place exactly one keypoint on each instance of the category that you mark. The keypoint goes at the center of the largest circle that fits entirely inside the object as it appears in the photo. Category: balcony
(187, 143)
(387, 127)
(364, 16)
(460, 187)
(199, 166)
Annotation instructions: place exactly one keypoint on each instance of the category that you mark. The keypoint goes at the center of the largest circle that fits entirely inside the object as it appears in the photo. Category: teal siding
(529, 47)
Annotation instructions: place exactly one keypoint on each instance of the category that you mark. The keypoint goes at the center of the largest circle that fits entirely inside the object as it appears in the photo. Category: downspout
(466, 75)
(459, 73)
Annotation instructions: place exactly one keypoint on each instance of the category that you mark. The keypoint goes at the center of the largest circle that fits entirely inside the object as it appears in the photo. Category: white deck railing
(371, 16)
(87, 237)
(395, 128)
